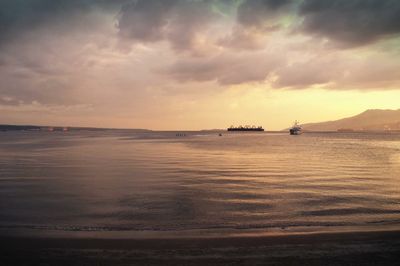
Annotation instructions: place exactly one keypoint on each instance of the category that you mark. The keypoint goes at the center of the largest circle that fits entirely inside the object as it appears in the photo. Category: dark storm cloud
(178, 21)
(36, 47)
(20, 16)
(189, 20)
(139, 20)
(352, 22)
(255, 13)
(349, 22)
(145, 20)
(225, 34)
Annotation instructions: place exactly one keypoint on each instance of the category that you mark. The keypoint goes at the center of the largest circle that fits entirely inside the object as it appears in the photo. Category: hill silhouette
(372, 119)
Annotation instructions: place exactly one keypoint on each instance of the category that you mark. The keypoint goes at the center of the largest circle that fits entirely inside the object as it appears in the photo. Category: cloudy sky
(194, 64)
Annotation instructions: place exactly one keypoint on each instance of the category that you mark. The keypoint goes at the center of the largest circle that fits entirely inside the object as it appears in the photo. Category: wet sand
(350, 248)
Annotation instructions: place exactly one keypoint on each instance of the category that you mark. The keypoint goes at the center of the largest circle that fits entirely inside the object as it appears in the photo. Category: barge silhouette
(245, 128)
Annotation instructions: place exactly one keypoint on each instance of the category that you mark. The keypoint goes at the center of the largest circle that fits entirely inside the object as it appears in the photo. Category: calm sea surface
(122, 182)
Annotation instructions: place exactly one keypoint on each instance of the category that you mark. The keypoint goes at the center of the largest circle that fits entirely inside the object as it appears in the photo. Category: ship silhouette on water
(296, 129)
(246, 128)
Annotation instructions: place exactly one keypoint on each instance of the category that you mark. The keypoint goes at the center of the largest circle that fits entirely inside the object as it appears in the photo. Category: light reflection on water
(112, 181)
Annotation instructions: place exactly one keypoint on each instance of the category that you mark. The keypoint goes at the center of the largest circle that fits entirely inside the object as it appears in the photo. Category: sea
(127, 183)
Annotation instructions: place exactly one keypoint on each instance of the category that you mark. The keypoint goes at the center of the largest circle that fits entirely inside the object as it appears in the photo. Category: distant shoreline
(59, 128)
(4, 127)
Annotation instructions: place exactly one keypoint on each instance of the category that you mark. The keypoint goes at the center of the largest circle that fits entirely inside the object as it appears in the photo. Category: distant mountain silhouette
(374, 119)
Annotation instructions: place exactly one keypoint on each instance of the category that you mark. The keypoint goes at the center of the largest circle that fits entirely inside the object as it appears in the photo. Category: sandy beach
(350, 248)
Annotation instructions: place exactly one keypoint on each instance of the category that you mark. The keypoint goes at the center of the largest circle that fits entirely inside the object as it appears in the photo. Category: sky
(196, 64)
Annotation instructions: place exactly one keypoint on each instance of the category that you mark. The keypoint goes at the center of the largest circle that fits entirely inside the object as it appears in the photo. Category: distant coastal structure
(51, 129)
(19, 127)
(245, 128)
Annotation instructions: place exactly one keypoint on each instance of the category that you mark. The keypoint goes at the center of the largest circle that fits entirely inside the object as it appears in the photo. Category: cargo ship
(245, 128)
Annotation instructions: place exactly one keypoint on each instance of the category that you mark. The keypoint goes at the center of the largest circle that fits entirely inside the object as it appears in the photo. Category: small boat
(295, 129)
